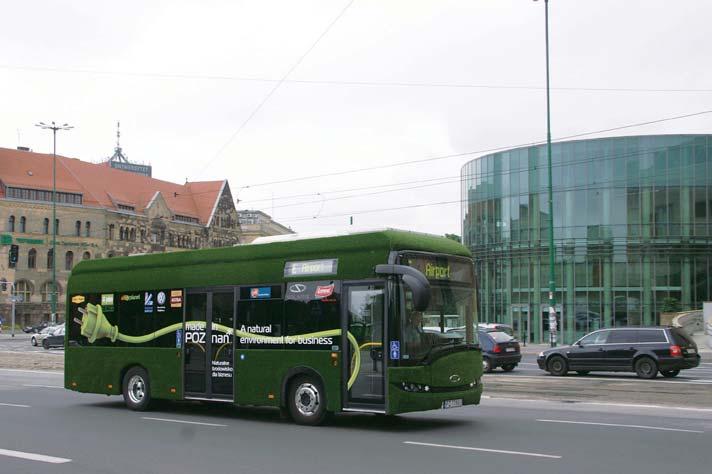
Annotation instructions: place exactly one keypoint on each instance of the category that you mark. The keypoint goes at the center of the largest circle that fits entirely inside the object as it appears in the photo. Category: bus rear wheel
(137, 389)
(307, 401)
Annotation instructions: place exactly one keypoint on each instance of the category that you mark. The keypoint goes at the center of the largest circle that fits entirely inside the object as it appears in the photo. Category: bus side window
(259, 318)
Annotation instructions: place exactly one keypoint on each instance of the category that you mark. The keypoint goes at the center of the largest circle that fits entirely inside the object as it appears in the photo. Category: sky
(261, 92)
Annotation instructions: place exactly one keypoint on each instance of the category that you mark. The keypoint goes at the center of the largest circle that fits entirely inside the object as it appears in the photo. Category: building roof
(107, 187)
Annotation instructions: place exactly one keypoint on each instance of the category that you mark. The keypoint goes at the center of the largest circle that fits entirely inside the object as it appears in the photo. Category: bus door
(363, 316)
(208, 344)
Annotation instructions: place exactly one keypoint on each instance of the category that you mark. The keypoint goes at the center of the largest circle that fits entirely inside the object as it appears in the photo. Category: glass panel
(365, 323)
(195, 339)
(222, 343)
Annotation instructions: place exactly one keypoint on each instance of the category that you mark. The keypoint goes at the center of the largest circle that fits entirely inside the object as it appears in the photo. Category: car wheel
(33, 341)
(670, 373)
(45, 344)
(646, 368)
(136, 389)
(306, 401)
(509, 367)
(487, 365)
(557, 365)
(582, 372)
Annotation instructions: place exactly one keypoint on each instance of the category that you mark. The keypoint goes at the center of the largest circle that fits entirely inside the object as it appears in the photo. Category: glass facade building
(632, 232)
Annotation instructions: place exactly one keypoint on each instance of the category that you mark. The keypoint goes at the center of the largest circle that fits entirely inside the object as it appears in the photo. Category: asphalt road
(46, 429)
(692, 388)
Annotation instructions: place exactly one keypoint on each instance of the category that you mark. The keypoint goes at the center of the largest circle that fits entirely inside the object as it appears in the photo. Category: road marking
(616, 425)
(621, 405)
(14, 405)
(182, 421)
(34, 371)
(33, 456)
(485, 450)
(42, 386)
(526, 378)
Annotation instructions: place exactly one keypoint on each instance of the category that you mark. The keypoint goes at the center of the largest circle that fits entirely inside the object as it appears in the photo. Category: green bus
(308, 325)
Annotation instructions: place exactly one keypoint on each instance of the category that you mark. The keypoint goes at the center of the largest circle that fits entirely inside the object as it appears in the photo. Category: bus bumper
(401, 401)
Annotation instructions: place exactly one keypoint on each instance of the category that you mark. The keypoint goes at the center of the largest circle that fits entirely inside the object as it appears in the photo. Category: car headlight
(541, 354)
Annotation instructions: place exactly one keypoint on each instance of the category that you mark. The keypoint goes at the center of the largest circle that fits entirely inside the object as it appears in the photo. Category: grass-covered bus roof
(263, 263)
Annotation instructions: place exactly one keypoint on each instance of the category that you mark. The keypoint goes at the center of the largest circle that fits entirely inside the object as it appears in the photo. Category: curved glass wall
(632, 230)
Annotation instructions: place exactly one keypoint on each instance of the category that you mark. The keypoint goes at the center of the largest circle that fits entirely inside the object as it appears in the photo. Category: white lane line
(14, 405)
(605, 404)
(42, 386)
(542, 378)
(34, 371)
(616, 425)
(181, 421)
(33, 456)
(485, 450)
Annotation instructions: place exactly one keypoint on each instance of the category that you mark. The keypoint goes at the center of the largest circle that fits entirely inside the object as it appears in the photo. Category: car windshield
(442, 323)
(499, 336)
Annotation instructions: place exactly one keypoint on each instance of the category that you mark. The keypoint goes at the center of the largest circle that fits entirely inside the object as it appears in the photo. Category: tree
(454, 237)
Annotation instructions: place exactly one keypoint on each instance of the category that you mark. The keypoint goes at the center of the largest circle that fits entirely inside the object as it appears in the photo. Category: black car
(499, 349)
(645, 351)
(55, 340)
(35, 329)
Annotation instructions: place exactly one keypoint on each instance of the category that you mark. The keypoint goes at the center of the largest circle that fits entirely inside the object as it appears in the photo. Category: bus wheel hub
(307, 399)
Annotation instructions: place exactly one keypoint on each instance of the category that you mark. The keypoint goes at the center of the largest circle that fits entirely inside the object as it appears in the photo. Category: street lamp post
(552, 275)
(54, 129)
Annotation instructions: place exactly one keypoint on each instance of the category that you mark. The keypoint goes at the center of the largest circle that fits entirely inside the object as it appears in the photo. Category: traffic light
(14, 251)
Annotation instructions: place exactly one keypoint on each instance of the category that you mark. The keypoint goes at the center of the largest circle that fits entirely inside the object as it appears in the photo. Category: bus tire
(306, 400)
(136, 388)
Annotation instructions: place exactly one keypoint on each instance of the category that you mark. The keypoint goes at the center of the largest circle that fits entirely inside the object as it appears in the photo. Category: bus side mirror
(415, 280)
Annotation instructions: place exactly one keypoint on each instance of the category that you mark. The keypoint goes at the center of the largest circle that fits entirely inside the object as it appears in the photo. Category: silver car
(37, 339)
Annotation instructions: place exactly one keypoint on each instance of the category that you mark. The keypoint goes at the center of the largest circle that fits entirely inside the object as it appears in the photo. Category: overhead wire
(276, 86)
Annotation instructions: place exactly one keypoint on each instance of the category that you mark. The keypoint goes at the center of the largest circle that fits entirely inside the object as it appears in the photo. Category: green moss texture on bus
(358, 254)
(441, 373)
(102, 369)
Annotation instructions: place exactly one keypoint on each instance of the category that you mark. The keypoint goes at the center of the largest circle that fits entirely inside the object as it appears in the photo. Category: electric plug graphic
(94, 324)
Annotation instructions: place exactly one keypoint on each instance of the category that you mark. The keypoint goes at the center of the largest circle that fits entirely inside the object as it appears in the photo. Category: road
(692, 388)
(46, 429)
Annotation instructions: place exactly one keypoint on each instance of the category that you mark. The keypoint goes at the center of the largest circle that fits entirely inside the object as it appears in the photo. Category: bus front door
(208, 344)
(364, 378)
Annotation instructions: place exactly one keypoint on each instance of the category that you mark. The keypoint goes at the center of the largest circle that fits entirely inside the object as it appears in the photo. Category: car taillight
(497, 349)
(675, 351)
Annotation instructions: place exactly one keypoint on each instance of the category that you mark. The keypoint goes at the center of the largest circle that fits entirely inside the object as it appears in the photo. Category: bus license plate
(452, 403)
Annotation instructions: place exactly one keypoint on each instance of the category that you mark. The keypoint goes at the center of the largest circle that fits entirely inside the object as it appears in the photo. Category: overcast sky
(184, 76)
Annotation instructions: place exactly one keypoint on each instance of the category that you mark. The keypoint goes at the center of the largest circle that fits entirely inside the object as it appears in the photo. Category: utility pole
(552, 274)
(54, 129)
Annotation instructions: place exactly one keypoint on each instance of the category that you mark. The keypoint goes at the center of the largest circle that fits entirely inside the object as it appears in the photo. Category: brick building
(101, 212)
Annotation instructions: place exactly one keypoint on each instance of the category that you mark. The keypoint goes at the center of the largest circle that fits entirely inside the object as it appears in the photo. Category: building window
(111, 231)
(68, 260)
(46, 291)
(124, 207)
(50, 259)
(23, 288)
(11, 224)
(78, 228)
(87, 229)
(86, 256)
(46, 226)
(23, 224)
(56, 226)
(32, 258)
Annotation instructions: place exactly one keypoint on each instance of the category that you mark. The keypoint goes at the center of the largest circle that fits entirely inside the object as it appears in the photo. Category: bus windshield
(452, 308)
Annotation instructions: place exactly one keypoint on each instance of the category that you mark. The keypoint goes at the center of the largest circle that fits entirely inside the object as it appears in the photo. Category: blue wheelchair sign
(395, 350)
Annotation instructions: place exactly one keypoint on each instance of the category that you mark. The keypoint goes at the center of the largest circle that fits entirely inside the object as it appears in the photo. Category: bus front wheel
(137, 389)
(307, 401)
